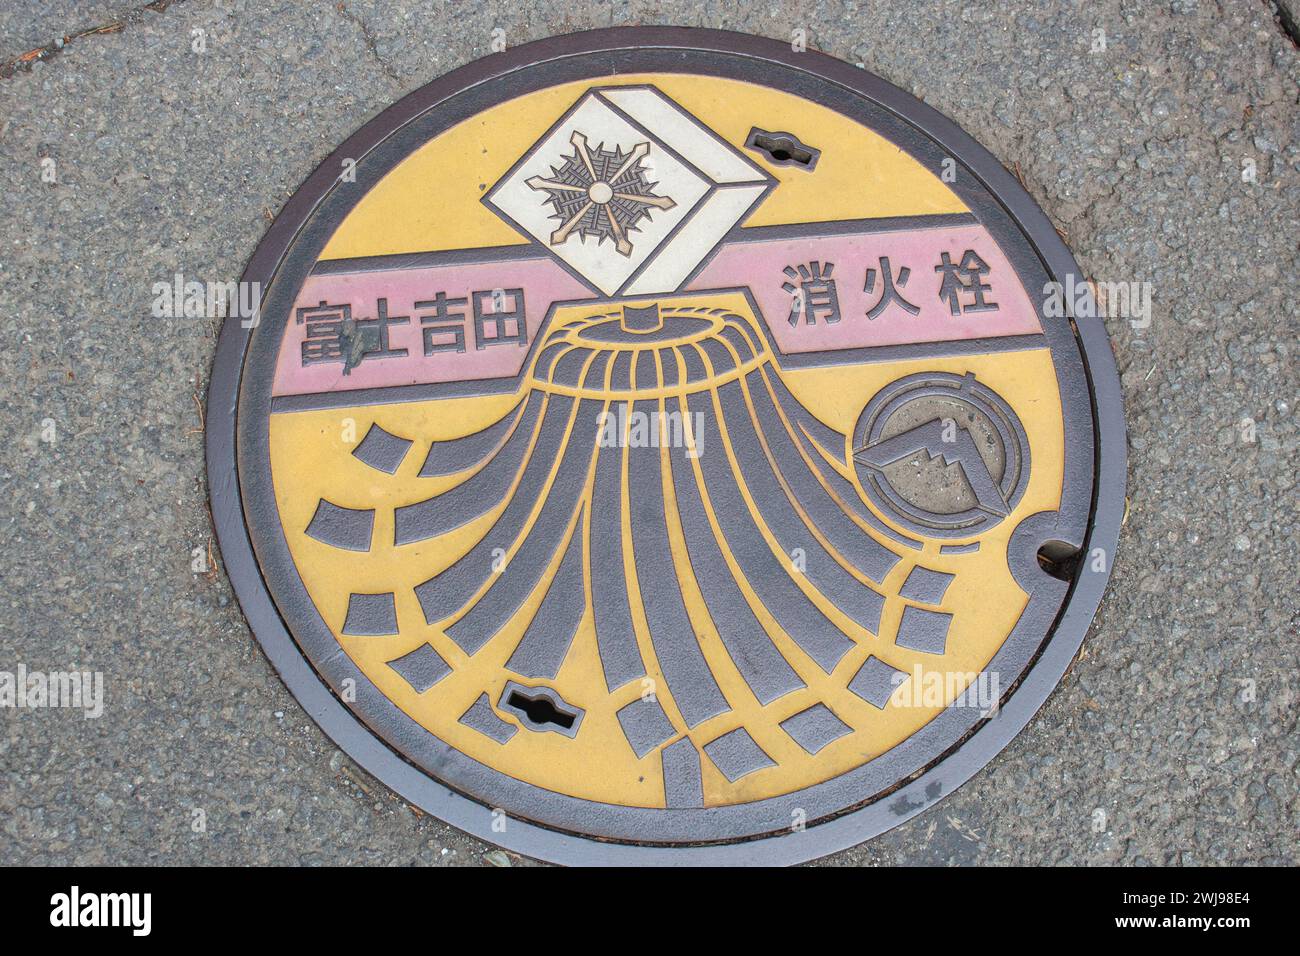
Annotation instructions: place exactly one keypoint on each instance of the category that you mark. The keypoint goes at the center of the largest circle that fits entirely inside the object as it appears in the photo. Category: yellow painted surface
(431, 201)
(311, 459)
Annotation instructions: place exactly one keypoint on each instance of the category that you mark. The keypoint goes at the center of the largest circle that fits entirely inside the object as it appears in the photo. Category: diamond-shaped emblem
(629, 190)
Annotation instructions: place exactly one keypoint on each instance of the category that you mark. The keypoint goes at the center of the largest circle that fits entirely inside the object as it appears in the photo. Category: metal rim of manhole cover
(660, 445)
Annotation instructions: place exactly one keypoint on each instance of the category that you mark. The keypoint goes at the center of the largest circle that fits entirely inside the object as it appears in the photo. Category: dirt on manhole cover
(662, 446)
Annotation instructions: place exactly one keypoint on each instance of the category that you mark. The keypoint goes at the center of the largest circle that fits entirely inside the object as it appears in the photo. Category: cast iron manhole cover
(658, 445)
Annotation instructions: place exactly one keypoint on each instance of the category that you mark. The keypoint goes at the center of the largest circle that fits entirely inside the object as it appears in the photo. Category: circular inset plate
(661, 446)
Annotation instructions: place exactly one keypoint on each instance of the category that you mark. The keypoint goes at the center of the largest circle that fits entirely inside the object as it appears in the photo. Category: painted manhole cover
(659, 446)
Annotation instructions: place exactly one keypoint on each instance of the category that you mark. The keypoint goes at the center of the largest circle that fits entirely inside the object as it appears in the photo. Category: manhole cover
(659, 445)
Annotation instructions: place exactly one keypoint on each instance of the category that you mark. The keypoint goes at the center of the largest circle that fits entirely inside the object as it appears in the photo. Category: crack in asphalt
(25, 61)
(369, 41)
(1286, 20)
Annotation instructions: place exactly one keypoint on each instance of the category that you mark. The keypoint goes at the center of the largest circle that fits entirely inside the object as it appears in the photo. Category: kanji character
(498, 320)
(443, 321)
(373, 336)
(889, 291)
(815, 294)
(965, 278)
(323, 340)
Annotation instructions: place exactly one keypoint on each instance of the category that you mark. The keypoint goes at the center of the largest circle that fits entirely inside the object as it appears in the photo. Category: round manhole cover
(660, 445)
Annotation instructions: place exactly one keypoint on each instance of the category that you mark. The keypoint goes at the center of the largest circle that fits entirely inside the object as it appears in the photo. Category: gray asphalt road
(1169, 156)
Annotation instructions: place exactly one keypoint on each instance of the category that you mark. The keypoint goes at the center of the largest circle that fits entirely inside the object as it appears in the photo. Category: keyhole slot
(541, 709)
(783, 149)
(1059, 559)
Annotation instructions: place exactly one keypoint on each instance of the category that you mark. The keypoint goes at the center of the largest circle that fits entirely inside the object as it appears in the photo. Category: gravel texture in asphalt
(1160, 137)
